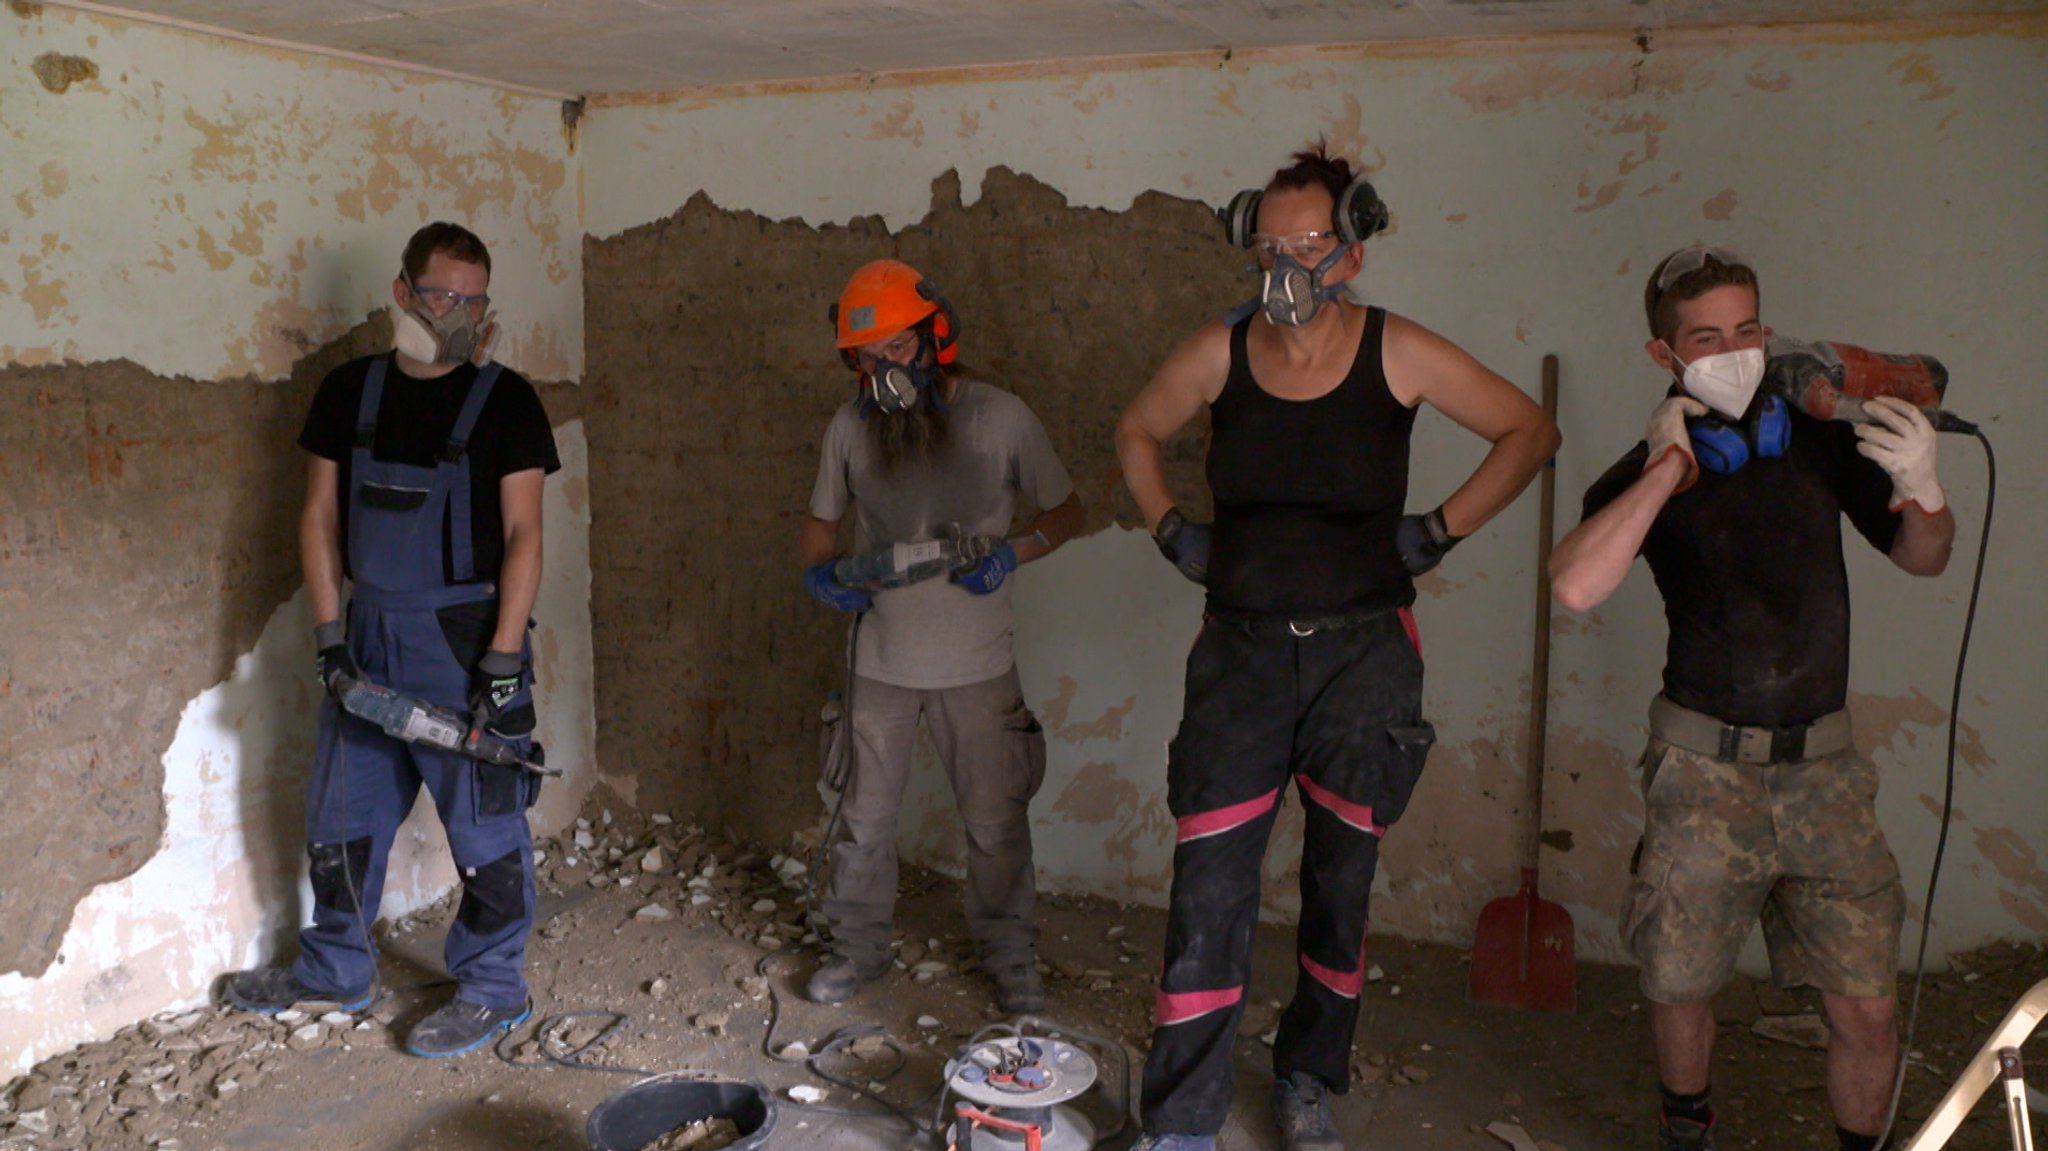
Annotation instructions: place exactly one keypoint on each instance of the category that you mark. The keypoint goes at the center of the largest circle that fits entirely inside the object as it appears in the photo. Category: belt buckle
(1296, 628)
(1789, 743)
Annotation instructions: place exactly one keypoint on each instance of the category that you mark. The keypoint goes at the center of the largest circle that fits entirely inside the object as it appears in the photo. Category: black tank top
(1309, 492)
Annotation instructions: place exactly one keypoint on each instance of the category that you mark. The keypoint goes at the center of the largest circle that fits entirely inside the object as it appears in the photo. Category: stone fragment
(654, 913)
(654, 860)
(805, 1093)
(1798, 1030)
(305, 1038)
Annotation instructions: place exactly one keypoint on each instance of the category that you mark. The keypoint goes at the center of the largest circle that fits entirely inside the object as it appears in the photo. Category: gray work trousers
(994, 754)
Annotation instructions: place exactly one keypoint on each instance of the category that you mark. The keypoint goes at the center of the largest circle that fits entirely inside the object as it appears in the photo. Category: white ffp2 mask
(1725, 382)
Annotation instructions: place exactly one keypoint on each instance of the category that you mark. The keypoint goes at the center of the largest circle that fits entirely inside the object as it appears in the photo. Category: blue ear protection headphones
(1722, 447)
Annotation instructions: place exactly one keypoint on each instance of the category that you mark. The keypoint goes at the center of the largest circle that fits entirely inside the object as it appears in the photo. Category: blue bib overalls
(364, 781)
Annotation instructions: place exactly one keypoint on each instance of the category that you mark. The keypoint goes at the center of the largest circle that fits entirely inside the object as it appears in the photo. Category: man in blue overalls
(429, 463)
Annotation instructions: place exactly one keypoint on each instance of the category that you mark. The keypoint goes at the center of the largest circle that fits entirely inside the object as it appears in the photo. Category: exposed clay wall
(191, 234)
(1888, 181)
(712, 378)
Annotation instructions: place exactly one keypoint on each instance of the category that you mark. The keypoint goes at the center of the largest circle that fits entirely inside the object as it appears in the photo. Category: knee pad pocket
(494, 895)
(336, 871)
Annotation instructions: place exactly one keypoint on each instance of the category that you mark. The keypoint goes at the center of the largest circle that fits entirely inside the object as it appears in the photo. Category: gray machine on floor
(1016, 1093)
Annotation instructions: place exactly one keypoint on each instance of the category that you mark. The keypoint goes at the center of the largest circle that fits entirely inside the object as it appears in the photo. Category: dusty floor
(1432, 1071)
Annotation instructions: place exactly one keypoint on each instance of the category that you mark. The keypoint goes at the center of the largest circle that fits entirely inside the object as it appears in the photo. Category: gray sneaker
(1175, 1143)
(461, 1027)
(836, 981)
(1684, 1134)
(269, 990)
(1303, 1112)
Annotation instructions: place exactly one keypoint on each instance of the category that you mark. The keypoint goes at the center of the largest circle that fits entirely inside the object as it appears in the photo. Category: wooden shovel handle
(1539, 673)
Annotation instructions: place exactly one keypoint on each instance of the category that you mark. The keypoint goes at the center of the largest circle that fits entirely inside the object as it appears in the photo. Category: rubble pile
(147, 1082)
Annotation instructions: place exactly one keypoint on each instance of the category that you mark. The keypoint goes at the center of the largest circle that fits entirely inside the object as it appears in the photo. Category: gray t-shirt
(937, 634)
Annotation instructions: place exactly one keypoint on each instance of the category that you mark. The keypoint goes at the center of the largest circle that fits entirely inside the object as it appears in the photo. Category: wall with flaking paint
(191, 233)
(213, 210)
(1890, 187)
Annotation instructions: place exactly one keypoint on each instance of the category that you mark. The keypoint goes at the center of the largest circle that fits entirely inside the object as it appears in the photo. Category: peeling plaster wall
(1890, 183)
(267, 197)
(191, 236)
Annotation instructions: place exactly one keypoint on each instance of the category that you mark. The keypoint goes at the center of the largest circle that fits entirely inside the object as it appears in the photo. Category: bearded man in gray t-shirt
(924, 455)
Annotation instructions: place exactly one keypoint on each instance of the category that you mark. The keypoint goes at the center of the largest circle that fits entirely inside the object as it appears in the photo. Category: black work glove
(1184, 544)
(493, 687)
(1423, 540)
(333, 663)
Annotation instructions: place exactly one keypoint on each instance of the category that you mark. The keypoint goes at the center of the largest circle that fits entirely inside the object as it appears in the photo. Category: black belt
(1303, 626)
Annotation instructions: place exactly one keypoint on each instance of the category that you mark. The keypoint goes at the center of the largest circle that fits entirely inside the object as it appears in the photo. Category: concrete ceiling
(618, 47)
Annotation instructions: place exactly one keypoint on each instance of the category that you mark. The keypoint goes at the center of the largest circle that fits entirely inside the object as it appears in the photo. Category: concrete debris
(1374, 974)
(805, 1093)
(1797, 1030)
(654, 860)
(657, 987)
(796, 1050)
(712, 1021)
(1512, 1135)
(1116, 933)
(1411, 1075)
(660, 819)
(654, 913)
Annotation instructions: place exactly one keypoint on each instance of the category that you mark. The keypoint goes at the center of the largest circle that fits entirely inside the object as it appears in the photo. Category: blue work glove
(333, 663)
(989, 574)
(493, 685)
(830, 592)
(1184, 544)
(1422, 541)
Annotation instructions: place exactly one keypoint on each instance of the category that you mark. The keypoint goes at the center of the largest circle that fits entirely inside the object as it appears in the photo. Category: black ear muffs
(1360, 214)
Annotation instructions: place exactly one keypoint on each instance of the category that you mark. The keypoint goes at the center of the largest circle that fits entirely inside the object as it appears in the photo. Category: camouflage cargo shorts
(1797, 843)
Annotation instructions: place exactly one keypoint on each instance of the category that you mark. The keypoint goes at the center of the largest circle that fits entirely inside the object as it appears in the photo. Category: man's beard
(914, 436)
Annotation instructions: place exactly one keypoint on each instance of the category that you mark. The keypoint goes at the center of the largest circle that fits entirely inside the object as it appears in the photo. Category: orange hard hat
(886, 297)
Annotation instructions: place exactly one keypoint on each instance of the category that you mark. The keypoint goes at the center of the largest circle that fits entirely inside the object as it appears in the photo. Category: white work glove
(1901, 441)
(1667, 434)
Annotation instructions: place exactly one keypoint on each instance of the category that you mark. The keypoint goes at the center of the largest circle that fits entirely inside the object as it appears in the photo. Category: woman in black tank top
(1309, 669)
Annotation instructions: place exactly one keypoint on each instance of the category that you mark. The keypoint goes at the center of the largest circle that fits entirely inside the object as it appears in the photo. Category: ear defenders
(1360, 214)
(1722, 447)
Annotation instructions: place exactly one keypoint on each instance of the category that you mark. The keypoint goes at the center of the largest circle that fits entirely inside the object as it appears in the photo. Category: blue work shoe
(461, 1027)
(1175, 1143)
(1302, 1109)
(269, 990)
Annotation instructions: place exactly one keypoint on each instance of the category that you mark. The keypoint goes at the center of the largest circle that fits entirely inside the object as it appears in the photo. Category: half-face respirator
(456, 336)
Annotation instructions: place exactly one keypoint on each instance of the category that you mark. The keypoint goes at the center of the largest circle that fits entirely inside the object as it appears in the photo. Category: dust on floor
(694, 941)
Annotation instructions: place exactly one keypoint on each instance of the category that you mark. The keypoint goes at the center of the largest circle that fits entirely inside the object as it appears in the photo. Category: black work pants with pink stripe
(1339, 711)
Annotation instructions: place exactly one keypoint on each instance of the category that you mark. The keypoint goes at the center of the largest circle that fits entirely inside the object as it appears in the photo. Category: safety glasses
(443, 300)
(1300, 245)
(1686, 261)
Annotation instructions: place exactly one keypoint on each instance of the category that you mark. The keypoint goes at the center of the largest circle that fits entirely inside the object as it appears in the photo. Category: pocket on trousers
(497, 792)
(1027, 745)
(1403, 768)
(467, 627)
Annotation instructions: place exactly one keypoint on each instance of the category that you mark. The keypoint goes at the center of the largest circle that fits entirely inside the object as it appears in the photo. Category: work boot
(1020, 990)
(1303, 1112)
(1175, 1143)
(1684, 1134)
(269, 990)
(461, 1027)
(836, 981)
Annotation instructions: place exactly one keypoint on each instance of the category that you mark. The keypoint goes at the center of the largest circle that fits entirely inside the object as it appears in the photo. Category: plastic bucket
(651, 1108)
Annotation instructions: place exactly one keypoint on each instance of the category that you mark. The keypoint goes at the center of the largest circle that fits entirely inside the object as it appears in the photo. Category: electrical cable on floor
(1948, 795)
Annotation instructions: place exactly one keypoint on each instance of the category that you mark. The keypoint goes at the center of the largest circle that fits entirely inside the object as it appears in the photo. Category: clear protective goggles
(1685, 261)
(444, 300)
(901, 348)
(1303, 246)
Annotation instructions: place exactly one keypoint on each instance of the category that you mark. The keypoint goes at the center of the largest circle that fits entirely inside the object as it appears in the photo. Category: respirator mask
(1726, 382)
(892, 386)
(459, 335)
(1291, 293)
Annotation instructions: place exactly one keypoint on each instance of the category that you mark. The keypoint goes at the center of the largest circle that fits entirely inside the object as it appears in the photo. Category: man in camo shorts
(1756, 800)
